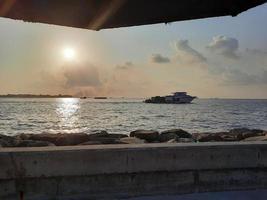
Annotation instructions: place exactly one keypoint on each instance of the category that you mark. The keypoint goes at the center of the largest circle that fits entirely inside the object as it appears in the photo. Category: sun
(69, 53)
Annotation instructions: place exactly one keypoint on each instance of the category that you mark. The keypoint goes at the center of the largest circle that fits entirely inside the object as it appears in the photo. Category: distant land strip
(35, 96)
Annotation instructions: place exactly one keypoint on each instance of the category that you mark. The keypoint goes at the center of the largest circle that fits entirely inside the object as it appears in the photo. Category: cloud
(225, 46)
(125, 66)
(81, 76)
(187, 54)
(158, 58)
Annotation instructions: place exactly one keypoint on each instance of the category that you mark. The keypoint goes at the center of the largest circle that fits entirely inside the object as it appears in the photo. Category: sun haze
(69, 53)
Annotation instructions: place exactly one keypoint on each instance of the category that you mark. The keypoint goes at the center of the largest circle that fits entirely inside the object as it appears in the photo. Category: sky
(222, 57)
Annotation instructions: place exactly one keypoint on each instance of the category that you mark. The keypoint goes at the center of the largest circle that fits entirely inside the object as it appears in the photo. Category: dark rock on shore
(179, 132)
(136, 137)
(233, 135)
(7, 141)
(68, 139)
(243, 136)
(104, 137)
(237, 131)
(173, 134)
(215, 137)
(98, 134)
(104, 134)
(59, 139)
(208, 137)
(148, 135)
(33, 143)
(168, 136)
(71, 139)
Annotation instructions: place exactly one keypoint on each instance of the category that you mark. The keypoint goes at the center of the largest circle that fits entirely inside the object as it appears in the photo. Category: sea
(122, 115)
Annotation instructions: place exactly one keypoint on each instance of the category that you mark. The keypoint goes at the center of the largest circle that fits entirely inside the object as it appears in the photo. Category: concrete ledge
(131, 170)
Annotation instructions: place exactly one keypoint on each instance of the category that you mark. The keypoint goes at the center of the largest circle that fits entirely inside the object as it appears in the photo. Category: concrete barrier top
(110, 159)
(133, 146)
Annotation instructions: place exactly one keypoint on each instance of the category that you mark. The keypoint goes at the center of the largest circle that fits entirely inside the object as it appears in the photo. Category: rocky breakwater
(135, 137)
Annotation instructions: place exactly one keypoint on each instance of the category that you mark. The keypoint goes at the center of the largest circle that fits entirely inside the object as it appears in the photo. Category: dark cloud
(81, 76)
(158, 58)
(187, 53)
(125, 66)
(225, 46)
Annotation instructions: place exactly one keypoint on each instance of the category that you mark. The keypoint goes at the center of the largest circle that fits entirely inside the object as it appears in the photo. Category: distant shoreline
(34, 96)
(70, 96)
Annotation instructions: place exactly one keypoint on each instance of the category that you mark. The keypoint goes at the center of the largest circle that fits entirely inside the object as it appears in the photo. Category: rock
(40, 137)
(251, 133)
(240, 131)
(211, 138)
(104, 134)
(168, 136)
(229, 138)
(198, 136)
(4, 143)
(180, 133)
(172, 141)
(207, 137)
(7, 141)
(248, 135)
(71, 139)
(257, 138)
(104, 138)
(132, 140)
(33, 143)
(185, 140)
(99, 134)
(148, 135)
(68, 139)
(173, 134)
(118, 136)
(58, 139)
(237, 131)
(90, 143)
(214, 137)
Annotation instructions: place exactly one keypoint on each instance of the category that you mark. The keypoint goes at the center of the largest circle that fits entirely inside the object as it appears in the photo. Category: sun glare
(69, 53)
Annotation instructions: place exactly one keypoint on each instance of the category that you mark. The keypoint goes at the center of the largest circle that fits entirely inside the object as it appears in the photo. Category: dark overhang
(102, 14)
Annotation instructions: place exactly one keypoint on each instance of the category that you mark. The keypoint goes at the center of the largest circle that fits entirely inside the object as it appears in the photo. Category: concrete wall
(119, 171)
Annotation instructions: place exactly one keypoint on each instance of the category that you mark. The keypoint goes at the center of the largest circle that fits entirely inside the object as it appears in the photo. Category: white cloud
(225, 46)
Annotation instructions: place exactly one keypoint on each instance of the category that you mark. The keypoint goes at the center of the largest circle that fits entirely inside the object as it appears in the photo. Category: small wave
(161, 116)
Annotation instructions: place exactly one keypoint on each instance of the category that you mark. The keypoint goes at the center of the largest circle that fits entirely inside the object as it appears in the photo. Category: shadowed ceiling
(103, 14)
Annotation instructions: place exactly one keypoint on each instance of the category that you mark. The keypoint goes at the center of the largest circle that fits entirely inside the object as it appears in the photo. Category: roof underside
(103, 14)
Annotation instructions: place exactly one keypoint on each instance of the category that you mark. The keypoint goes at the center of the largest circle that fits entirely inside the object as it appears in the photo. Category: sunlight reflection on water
(67, 112)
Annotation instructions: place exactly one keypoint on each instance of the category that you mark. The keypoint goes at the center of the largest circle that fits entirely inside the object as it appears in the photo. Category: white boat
(179, 97)
(176, 98)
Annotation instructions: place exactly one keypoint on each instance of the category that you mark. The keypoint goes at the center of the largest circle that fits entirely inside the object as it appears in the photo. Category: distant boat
(100, 98)
(83, 97)
(176, 98)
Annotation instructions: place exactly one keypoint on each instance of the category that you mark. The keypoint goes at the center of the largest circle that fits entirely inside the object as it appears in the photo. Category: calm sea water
(124, 115)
